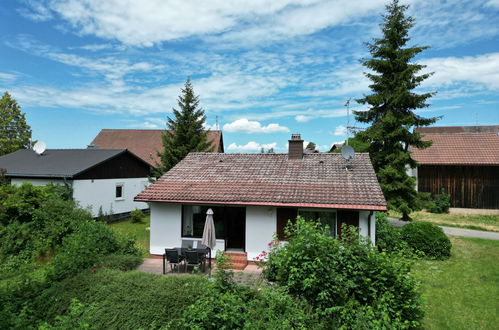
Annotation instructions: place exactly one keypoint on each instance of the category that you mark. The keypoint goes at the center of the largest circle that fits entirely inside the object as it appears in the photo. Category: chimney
(295, 147)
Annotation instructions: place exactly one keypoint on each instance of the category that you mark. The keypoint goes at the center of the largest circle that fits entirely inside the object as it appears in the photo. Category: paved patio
(155, 266)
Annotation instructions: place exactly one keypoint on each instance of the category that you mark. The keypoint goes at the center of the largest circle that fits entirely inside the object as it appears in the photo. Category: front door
(235, 224)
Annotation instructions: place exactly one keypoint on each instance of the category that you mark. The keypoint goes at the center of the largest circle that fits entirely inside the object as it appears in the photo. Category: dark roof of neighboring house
(459, 149)
(56, 163)
(318, 180)
(459, 129)
(145, 143)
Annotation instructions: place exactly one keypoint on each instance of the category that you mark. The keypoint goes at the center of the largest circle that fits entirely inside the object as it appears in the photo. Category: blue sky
(266, 69)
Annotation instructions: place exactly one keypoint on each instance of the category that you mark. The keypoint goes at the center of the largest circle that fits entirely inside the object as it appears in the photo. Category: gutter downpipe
(369, 225)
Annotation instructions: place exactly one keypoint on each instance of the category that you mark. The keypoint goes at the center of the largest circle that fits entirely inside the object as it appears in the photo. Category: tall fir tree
(391, 109)
(185, 132)
(15, 133)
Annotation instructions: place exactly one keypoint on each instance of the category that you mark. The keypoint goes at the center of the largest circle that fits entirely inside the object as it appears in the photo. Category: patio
(155, 266)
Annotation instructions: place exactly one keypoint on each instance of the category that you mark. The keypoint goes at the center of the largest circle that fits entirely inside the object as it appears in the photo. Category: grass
(477, 222)
(462, 292)
(137, 231)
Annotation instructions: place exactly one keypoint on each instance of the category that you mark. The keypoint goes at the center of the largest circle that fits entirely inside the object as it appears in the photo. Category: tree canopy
(391, 105)
(185, 132)
(15, 133)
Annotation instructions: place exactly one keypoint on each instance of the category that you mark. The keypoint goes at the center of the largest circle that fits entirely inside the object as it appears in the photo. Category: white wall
(165, 231)
(364, 225)
(96, 193)
(38, 182)
(261, 224)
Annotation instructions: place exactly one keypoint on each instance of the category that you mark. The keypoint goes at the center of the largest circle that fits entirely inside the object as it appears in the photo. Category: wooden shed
(464, 161)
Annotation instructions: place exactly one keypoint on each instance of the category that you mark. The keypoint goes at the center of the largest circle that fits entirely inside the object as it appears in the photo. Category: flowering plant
(261, 259)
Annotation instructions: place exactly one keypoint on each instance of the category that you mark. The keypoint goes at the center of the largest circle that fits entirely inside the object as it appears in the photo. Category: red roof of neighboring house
(459, 146)
(318, 180)
(145, 143)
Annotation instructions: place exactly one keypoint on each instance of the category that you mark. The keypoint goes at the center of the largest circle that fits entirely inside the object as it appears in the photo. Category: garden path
(452, 231)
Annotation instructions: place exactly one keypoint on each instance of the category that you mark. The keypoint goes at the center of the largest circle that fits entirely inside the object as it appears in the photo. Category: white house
(254, 195)
(100, 179)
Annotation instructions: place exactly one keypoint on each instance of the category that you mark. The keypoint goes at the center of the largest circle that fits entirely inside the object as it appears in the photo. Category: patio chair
(192, 258)
(174, 259)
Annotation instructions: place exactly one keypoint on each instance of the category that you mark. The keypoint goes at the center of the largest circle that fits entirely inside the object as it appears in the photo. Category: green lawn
(478, 222)
(137, 231)
(461, 293)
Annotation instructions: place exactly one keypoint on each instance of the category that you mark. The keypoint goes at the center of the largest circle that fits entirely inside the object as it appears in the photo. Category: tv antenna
(216, 123)
(350, 129)
(39, 147)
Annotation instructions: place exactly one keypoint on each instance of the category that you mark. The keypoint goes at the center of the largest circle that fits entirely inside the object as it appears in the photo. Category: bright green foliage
(356, 144)
(391, 109)
(346, 281)
(15, 134)
(427, 238)
(441, 203)
(137, 216)
(88, 244)
(387, 236)
(34, 220)
(223, 275)
(186, 134)
(78, 317)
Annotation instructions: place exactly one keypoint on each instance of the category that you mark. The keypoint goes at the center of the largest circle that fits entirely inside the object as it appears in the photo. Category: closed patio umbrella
(209, 236)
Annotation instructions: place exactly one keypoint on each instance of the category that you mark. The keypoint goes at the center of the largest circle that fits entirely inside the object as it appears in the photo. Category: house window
(194, 218)
(119, 191)
(326, 218)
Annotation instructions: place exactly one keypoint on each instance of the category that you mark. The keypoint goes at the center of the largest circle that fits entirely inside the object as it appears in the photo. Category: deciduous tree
(15, 133)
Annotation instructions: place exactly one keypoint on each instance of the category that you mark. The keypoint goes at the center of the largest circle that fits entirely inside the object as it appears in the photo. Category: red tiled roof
(459, 149)
(319, 180)
(145, 143)
(458, 129)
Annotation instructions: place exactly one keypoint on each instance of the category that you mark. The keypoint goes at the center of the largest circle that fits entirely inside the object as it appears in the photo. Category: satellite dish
(347, 152)
(39, 147)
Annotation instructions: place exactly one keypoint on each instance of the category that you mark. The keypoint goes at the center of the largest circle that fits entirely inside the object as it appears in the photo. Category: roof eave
(304, 205)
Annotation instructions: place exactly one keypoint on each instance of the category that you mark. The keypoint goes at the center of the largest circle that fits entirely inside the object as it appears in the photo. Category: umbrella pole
(210, 259)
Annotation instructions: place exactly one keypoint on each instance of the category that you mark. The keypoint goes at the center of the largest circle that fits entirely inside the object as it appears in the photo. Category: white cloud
(482, 70)
(145, 23)
(493, 3)
(7, 76)
(340, 130)
(36, 11)
(245, 126)
(302, 118)
(251, 146)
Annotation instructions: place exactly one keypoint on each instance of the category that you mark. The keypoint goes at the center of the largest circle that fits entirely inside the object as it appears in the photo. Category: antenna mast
(216, 123)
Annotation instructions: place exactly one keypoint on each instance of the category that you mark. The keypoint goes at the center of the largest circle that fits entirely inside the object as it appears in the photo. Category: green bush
(427, 238)
(122, 300)
(137, 216)
(120, 262)
(388, 237)
(334, 276)
(441, 203)
(85, 247)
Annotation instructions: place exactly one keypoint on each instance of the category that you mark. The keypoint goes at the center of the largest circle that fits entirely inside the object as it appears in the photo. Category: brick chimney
(295, 147)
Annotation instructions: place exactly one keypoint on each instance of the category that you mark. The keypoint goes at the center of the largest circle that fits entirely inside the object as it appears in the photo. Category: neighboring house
(254, 195)
(336, 146)
(145, 143)
(99, 178)
(463, 161)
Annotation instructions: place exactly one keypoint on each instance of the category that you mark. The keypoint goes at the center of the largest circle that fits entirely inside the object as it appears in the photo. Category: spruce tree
(391, 108)
(185, 132)
(15, 133)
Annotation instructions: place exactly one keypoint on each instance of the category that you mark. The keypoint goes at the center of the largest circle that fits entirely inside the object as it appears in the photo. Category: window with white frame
(120, 193)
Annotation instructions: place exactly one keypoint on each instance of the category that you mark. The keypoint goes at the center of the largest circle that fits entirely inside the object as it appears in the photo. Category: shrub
(122, 300)
(441, 203)
(427, 238)
(120, 262)
(137, 216)
(387, 236)
(334, 276)
(85, 247)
